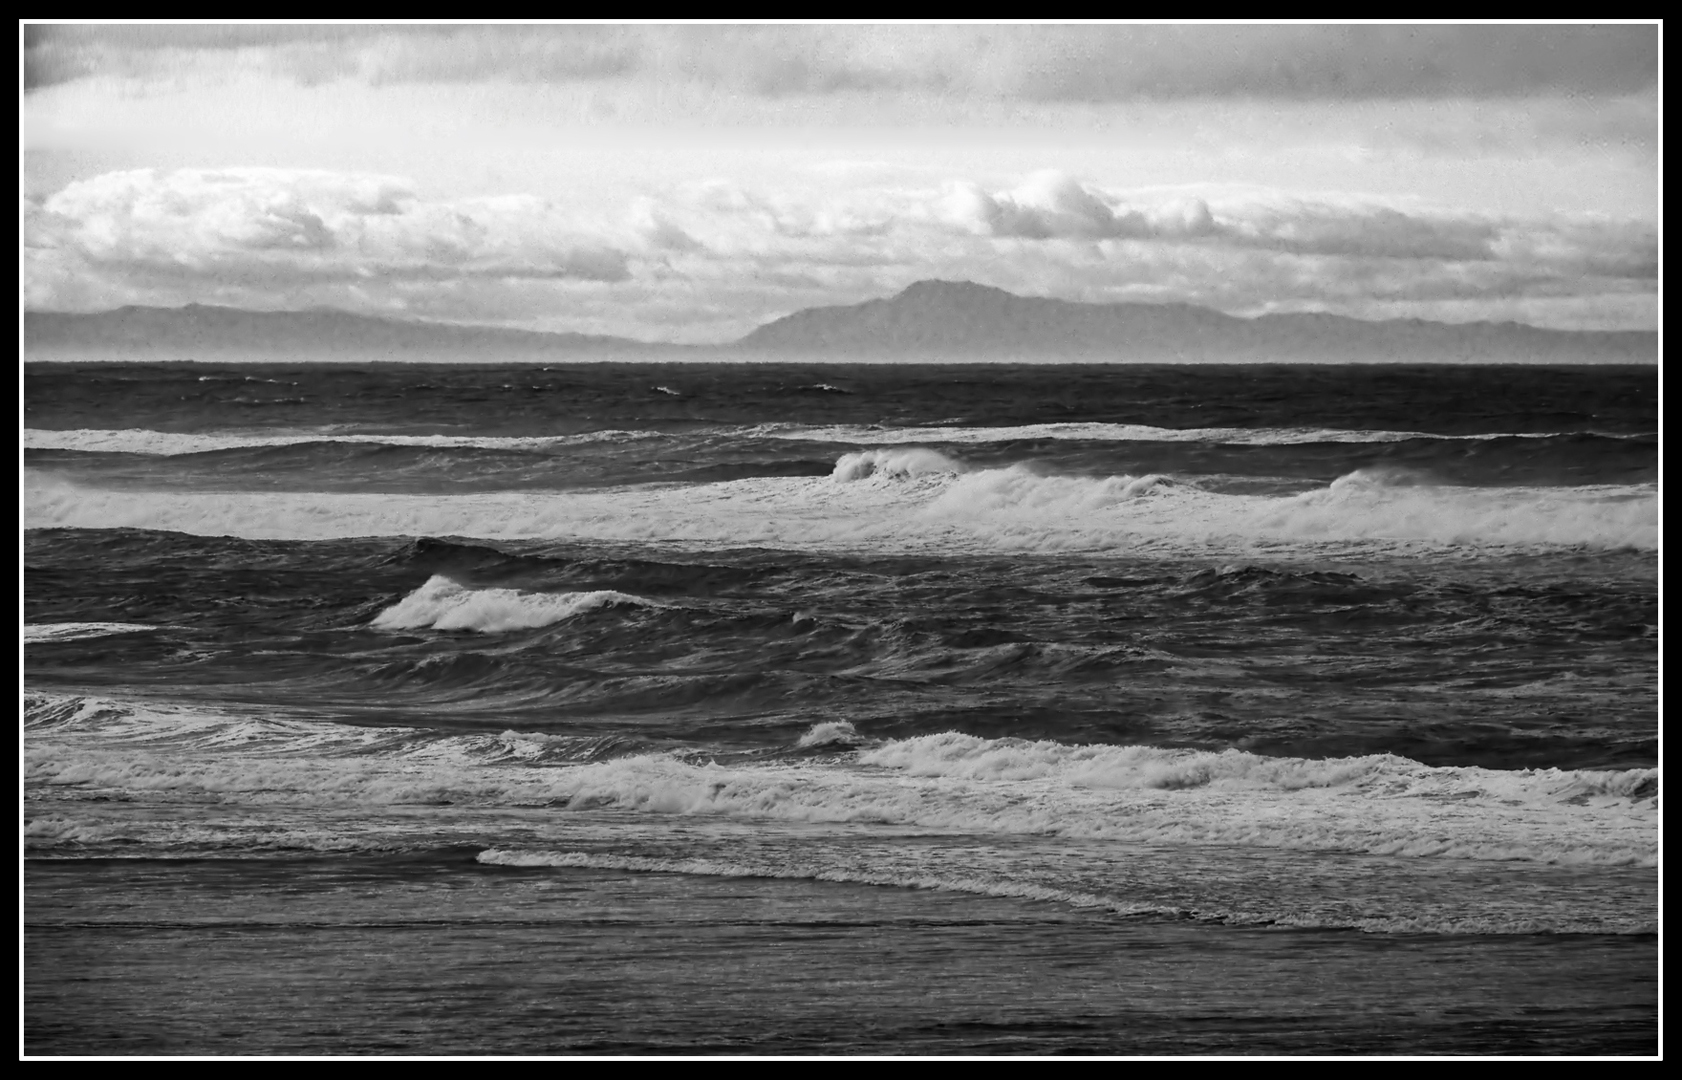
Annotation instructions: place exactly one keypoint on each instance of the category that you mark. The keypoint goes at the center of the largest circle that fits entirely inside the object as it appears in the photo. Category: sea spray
(442, 604)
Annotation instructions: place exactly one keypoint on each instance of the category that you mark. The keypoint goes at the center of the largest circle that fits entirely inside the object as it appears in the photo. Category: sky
(690, 182)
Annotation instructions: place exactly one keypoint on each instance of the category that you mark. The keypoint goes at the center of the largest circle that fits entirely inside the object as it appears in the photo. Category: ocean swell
(893, 502)
(442, 604)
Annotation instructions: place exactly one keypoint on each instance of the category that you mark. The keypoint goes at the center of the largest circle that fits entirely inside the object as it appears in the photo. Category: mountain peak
(936, 289)
(933, 317)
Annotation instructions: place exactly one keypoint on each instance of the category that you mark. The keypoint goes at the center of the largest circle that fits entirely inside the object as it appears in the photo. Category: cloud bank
(273, 231)
(1059, 63)
(709, 261)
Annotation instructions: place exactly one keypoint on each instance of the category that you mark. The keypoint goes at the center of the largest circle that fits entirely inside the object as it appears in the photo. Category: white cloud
(1048, 204)
(710, 261)
(1053, 205)
(283, 225)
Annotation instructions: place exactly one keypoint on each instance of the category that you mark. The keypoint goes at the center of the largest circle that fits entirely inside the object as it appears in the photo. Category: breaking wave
(167, 443)
(1382, 806)
(913, 461)
(900, 506)
(1377, 804)
(442, 604)
(831, 733)
(83, 739)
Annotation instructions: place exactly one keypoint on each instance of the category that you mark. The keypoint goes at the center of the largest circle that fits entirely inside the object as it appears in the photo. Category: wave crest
(898, 462)
(929, 501)
(78, 631)
(442, 604)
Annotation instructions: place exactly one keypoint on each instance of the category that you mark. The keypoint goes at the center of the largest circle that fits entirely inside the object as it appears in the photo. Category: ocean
(840, 709)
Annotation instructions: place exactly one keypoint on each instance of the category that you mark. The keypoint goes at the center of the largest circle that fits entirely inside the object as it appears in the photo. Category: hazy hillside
(939, 317)
(928, 319)
(202, 332)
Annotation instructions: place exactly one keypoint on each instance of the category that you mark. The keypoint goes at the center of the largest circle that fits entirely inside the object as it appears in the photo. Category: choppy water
(1315, 670)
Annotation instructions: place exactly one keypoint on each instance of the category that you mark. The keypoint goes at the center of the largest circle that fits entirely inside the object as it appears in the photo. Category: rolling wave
(78, 739)
(1103, 432)
(898, 503)
(1387, 807)
(1378, 804)
(1227, 459)
(166, 443)
(441, 604)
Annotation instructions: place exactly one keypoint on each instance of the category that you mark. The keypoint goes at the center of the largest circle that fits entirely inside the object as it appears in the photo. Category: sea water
(840, 709)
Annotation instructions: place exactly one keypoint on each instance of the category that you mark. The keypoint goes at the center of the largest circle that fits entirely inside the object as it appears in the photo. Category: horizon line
(669, 344)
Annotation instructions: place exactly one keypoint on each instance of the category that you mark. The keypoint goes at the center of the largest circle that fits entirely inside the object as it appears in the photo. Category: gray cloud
(1090, 63)
(57, 54)
(279, 229)
(713, 260)
(1053, 205)
(1120, 63)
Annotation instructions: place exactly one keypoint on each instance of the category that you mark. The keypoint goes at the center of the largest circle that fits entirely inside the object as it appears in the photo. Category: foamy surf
(904, 500)
(103, 742)
(1099, 432)
(173, 444)
(1021, 684)
(170, 444)
(442, 604)
(77, 631)
(912, 461)
(1397, 808)
(1377, 804)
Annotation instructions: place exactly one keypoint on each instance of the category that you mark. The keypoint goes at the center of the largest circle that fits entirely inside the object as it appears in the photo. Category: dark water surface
(840, 709)
(371, 956)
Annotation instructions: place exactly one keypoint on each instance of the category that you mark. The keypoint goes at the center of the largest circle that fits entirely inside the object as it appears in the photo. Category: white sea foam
(1099, 432)
(108, 722)
(76, 631)
(169, 444)
(1378, 804)
(442, 604)
(1393, 807)
(911, 461)
(166, 443)
(1118, 767)
(167, 746)
(904, 508)
(56, 829)
(838, 733)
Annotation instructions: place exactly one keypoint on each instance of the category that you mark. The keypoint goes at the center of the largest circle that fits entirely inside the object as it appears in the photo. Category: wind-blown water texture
(1365, 650)
(567, 399)
(1014, 509)
(1379, 804)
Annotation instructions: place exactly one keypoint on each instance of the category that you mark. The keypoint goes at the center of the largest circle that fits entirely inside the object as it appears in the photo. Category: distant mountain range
(930, 319)
(198, 331)
(945, 317)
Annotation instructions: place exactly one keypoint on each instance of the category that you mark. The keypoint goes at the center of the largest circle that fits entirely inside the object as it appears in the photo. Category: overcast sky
(687, 183)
